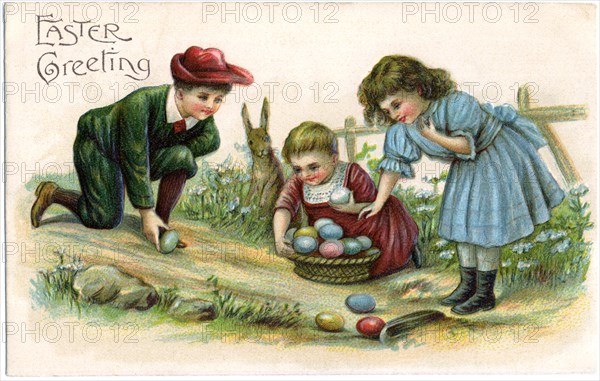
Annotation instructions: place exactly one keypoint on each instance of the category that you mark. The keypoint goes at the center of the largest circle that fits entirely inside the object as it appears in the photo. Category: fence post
(350, 135)
(563, 159)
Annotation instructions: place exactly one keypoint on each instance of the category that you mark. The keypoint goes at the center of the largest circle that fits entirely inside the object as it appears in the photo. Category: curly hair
(400, 73)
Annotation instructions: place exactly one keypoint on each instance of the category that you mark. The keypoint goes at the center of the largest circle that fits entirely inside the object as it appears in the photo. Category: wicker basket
(340, 270)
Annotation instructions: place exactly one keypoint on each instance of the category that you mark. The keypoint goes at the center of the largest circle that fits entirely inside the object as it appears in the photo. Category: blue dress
(495, 194)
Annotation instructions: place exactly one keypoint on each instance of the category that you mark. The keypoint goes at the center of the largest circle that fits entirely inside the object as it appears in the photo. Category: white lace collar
(317, 194)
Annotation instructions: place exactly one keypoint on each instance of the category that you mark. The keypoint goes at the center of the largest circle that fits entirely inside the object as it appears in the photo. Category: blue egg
(305, 244)
(360, 303)
(322, 222)
(331, 231)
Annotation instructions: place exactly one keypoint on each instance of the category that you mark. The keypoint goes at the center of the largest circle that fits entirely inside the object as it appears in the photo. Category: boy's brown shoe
(45, 197)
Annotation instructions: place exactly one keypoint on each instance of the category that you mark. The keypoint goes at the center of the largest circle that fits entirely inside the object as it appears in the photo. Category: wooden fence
(543, 117)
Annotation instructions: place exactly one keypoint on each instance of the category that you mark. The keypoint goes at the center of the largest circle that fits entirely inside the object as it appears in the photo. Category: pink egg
(370, 326)
(331, 248)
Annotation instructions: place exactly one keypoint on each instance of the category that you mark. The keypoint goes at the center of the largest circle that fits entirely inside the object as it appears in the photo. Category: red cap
(206, 66)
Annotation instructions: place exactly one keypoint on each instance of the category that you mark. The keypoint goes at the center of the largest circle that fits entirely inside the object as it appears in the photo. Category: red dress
(392, 230)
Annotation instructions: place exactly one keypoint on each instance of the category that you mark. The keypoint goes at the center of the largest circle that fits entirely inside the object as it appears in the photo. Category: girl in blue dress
(497, 188)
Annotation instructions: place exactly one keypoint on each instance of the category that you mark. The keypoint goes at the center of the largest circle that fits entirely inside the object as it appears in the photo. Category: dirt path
(259, 274)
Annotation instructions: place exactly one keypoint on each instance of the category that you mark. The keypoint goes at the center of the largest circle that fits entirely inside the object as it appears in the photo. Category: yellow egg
(307, 231)
(330, 321)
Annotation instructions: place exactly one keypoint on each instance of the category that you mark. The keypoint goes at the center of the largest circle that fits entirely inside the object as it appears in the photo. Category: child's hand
(426, 128)
(350, 207)
(151, 223)
(284, 248)
(371, 209)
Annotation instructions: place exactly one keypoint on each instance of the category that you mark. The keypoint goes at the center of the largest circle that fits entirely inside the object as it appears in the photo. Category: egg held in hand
(168, 241)
(340, 196)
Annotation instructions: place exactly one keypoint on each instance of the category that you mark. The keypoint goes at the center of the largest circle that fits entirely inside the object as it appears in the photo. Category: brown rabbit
(267, 176)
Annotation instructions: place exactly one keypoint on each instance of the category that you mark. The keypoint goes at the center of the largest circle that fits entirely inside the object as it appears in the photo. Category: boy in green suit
(153, 133)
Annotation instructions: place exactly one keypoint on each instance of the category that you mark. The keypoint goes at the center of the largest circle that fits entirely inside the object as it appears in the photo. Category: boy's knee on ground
(98, 220)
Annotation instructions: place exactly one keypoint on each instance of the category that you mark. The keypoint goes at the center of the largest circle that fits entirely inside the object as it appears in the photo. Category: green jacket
(131, 130)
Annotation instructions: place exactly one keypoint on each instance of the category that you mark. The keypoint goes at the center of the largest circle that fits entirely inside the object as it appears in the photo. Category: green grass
(254, 312)
(555, 254)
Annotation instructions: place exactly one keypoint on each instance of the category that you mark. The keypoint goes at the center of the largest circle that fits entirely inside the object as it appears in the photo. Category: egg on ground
(330, 321)
(370, 326)
(360, 303)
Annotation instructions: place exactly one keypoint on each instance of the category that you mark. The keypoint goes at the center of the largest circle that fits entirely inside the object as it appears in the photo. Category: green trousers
(101, 180)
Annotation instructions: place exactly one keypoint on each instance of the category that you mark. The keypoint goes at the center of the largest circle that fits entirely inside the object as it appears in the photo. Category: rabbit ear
(265, 114)
(246, 119)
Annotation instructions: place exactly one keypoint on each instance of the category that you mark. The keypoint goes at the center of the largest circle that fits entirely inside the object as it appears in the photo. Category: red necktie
(179, 126)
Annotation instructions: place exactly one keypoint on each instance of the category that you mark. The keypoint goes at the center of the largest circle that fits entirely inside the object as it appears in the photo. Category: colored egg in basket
(330, 321)
(307, 231)
(289, 235)
(365, 242)
(340, 196)
(304, 244)
(168, 241)
(331, 248)
(360, 303)
(331, 231)
(352, 246)
(322, 222)
(370, 326)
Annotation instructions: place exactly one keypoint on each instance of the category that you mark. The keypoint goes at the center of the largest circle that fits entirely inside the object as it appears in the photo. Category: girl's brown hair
(307, 137)
(400, 73)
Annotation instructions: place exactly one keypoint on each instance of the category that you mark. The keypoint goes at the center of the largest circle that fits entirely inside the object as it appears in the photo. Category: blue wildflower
(561, 247)
(522, 247)
(579, 191)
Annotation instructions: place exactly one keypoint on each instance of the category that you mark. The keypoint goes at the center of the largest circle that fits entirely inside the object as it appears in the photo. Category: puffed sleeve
(290, 196)
(361, 184)
(464, 119)
(399, 151)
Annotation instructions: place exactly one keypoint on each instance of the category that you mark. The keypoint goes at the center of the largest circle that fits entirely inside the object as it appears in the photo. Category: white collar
(173, 114)
(317, 194)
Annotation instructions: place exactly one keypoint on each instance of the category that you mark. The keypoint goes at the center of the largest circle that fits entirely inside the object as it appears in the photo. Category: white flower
(522, 265)
(226, 180)
(447, 254)
(554, 235)
(441, 243)
(522, 247)
(580, 191)
(424, 194)
(246, 209)
(425, 208)
(232, 205)
(506, 263)
(543, 236)
(561, 247)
